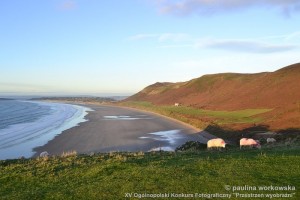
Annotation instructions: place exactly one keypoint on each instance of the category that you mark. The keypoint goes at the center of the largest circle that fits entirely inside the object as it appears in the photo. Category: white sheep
(249, 142)
(217, 142)
(44, 154)
(271, 140)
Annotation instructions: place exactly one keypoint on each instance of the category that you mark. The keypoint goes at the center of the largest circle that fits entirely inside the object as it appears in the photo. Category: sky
(93, 47)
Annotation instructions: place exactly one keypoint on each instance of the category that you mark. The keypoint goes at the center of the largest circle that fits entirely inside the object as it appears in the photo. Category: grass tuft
(69, 154)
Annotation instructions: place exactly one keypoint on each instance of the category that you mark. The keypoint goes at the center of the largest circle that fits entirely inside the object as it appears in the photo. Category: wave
(35, 124)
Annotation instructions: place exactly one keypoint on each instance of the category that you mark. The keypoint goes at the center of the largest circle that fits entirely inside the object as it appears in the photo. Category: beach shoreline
(85, 104)
(27, 124)
(98, 134)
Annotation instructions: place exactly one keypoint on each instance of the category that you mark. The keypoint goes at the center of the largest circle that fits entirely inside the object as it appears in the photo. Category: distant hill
(279, 90)
(76, 99)
(5, 99)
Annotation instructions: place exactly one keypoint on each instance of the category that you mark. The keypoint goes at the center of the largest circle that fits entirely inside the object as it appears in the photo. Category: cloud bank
(259, 46)
(249, 46)
(210, 7)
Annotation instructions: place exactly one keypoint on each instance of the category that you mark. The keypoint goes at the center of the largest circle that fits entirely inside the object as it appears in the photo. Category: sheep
(250, 143)
(271, 140)
(44, 154)
(217, 142)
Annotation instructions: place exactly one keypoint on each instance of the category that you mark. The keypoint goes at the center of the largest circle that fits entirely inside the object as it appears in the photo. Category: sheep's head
(223, 144)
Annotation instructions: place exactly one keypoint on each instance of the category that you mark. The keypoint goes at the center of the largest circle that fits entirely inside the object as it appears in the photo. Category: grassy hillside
(201, 118)
(111, 176)
(277, 91)
(229, 125)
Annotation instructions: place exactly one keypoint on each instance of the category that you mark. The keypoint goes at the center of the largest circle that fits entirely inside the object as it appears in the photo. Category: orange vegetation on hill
(279, 90)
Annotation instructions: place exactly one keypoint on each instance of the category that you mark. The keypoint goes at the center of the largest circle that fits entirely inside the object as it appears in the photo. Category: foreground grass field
(201, 118)
(113, 175)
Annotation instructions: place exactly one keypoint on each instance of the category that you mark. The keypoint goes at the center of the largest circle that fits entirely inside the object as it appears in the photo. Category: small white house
(177, 104)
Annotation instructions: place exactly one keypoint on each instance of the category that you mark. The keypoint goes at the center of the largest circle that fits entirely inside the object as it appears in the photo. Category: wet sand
(112, 128)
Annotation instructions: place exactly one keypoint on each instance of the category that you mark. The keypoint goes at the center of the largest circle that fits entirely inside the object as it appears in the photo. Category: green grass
(110, 176)
(194, 116)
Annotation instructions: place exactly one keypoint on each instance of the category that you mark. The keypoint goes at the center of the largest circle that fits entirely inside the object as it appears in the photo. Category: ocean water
(25, 125)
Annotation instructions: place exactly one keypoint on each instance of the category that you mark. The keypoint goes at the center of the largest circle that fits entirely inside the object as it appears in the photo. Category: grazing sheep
(44, 154)
(249, 142)
(218, 142)
(271, 140)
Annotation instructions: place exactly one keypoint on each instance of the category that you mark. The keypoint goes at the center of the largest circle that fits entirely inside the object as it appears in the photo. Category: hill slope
(277, 90)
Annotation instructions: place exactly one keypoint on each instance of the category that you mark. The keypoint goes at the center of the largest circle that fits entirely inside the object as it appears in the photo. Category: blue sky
(119, 47)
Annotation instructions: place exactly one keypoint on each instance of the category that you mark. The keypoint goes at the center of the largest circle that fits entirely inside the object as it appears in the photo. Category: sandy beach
(112, 128)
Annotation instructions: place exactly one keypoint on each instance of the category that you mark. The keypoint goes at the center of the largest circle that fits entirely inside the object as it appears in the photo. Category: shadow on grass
(256, 132)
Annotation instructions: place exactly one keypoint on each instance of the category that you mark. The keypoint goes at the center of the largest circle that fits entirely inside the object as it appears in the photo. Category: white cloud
(208, 7)
(258, 45)
(250, 46)
(295, 35)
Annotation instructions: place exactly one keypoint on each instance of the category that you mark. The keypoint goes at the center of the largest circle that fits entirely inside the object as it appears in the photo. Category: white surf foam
(125, 117)
(19, 140)
(170, 136)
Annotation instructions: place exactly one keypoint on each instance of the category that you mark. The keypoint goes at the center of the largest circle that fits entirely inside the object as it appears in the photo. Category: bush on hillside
(191, 146)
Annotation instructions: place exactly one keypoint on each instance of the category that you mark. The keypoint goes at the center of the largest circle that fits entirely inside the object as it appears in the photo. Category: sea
(25, 125)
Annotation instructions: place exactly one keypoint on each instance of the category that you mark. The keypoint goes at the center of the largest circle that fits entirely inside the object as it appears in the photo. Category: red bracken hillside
(279, 90)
